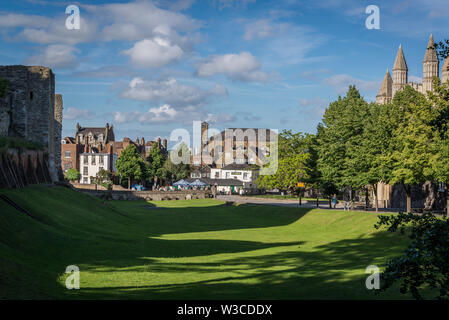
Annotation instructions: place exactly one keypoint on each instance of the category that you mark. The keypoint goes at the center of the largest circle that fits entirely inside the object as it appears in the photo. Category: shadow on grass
(332, 271)
(123, 236)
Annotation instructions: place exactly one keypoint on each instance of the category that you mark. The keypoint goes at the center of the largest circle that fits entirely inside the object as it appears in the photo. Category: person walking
(334, 201)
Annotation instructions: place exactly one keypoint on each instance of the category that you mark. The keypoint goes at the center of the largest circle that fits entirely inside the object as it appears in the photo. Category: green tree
(413, 141)
(293, 157)
(338, 140)
(155, 164)
(104, 178)
(367, 160)
(423, 265)
(440, 156)
(130, 165)
(179, 171)
(72, 175)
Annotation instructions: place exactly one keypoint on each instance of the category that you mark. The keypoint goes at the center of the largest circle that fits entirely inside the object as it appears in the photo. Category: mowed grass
(193, 249)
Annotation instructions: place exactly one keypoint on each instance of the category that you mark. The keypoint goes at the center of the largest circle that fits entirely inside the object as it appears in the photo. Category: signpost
(300, 185)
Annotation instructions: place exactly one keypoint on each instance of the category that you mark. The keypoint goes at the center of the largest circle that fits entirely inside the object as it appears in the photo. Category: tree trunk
(376, 202)
(330, 203)
(129, 183)
(447, 200)
(408, 192)
(366, 199)
(447, 206)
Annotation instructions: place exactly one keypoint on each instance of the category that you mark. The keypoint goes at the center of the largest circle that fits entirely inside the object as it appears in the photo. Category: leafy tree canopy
(72, 174)
(130, 164)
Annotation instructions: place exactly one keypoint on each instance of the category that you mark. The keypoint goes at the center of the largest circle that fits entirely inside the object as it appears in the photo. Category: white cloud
(155, 52)
(243, 66)
(56, 32)
(164, 113)
(131, 21)
(23, 20)
(168, 114)
(261, 29)
(75, 114)
(169, 91)
(341, 82)
(55, 56)
(141, 20)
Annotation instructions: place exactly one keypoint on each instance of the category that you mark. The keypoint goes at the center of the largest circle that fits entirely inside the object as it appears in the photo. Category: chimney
(142, 141)
(159, 142)
(137, 141)
(78, 127)
(165, 144)
(125, 142)
(85, 145)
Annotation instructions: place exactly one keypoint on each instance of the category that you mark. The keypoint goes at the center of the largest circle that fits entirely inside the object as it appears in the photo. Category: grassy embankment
(185, 249)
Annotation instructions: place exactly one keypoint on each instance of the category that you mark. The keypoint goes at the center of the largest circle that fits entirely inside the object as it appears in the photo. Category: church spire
(399, 63)
(386, 89)
(400, 72)
(431, 68)
(431, 52)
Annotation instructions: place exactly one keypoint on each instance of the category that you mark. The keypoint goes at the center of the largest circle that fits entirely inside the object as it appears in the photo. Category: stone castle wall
(32, 111)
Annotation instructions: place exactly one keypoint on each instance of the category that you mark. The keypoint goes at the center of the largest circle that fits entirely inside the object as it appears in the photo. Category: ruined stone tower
(30, 111)
(57, 131)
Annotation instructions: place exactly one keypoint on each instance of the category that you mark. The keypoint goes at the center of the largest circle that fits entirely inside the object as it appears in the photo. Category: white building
(241, 172)
(92, 163)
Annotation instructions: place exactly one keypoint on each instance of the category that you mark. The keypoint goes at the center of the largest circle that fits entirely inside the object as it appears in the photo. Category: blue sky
(149, 67)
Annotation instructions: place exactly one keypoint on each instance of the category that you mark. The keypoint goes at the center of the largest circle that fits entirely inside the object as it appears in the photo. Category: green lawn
(193, 249)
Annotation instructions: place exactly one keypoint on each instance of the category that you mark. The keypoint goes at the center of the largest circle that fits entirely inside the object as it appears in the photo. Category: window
(100, 160)
(217, 175)
(93, 160)
(67, 154)
(245, 175)
(85, 180)
(67, 166)
(86, 171)
(227, 175)
(86, 160)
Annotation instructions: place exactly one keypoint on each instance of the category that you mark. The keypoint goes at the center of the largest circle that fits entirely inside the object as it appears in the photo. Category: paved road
(275, 202)
(287, 203)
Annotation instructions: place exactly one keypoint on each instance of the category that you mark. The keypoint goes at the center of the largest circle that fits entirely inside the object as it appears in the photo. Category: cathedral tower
(400, 72)
(430, 66)
(386, 90)
(445, 71)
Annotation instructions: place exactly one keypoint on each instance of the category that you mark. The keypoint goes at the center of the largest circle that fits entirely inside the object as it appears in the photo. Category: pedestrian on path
(334, 200)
